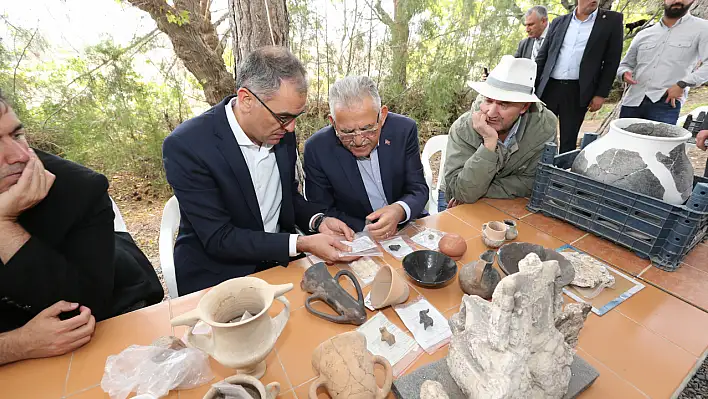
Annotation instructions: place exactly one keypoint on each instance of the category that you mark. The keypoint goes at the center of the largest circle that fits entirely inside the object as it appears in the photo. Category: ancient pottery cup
(242, 333)
(254, 387)
(345, 368)
(494, 234)
(511, 232)
(388, 288)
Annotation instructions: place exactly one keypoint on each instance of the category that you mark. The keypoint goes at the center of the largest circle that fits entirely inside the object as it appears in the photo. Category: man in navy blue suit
(232, 170)
(366, 166)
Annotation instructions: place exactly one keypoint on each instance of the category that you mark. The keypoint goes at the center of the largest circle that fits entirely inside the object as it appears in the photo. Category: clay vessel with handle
(345, 369)
(242, 333)
(323, 287)
(388, 288)
(254, 388)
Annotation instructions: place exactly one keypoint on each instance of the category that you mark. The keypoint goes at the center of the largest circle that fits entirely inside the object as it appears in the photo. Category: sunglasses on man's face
(283, 119)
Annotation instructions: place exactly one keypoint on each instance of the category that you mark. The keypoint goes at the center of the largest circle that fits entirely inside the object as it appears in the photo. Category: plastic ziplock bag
(428, 238)
(397, 247)
(362, 245)
(154, 371)
(365, 269)
(432, 338)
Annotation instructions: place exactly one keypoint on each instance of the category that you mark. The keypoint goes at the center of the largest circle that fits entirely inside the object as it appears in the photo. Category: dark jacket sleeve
(200, 200)
(612, 56)
(416, 190)
(38, 275)
(542, 55)
(319, 190)
(519, 49)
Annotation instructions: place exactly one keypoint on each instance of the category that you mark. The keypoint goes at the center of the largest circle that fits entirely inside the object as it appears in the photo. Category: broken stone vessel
(644, 156)
(345, 368)
(511, 348)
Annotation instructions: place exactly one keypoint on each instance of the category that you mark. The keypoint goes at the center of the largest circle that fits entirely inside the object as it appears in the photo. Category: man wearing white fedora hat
(493, 149)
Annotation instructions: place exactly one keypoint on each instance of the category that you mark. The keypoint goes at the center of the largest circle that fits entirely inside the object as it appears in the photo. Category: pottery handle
(484, 226)
(360, 295)
(281, 319)
(320, 381)
(279, 290)
(188, 319)
(272, 390)
(204, 342)
(386, 388)
(341, 318)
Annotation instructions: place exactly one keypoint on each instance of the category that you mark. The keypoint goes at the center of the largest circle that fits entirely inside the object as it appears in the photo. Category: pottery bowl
(511, 254)
(429, 268)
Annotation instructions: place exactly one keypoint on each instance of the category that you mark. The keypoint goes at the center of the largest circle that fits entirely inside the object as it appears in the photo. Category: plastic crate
(651, 228)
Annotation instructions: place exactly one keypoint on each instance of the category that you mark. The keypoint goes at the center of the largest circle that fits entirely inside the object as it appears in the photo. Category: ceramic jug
(388, 288)
(346, 369)
(242, 333)
(479, 278)
(512, 230)
(643, 156)
(323, 287)
(254, 387)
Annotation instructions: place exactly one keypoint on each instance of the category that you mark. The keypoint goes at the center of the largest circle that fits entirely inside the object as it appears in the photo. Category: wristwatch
(681, 84)
(317, 222)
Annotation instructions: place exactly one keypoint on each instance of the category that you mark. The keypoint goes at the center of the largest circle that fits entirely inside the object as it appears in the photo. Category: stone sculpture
(432, 390)
(642, 156)
(425, 320)
(571, 321)
(346, 369)
(511, 348)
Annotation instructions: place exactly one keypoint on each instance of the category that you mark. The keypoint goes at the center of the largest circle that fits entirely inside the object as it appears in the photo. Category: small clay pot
(453, 246)
(494, 234)
(479, 278)
(511, 232)
(388, 288)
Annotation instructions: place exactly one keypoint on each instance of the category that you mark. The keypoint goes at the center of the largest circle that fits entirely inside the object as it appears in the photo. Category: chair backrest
(118, 222)
(695, 113)
(435, 144)
(168, 229)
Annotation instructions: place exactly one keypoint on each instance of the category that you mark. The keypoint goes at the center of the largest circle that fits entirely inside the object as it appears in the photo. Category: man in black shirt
(62, 267)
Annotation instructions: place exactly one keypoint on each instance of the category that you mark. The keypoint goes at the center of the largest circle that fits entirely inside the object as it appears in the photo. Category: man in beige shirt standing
(660, 64)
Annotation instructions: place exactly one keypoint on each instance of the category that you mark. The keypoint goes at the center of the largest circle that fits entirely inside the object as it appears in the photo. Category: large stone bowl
(429, 268)
(510, 255)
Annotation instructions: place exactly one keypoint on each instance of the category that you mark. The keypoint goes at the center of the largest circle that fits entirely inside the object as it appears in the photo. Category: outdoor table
(645, 347)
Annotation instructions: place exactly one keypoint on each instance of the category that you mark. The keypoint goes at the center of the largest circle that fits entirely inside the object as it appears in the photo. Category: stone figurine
(387, 337)
(510, 348)
(241, 345)
(327, 289)
(642, 156)
(425, 320)
(345, 368)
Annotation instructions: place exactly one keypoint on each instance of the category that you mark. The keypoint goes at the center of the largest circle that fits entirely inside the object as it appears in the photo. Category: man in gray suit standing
(536, 27)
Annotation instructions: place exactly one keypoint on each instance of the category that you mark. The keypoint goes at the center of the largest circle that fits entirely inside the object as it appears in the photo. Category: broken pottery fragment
(345, 368)
(432, 390)
(387, 337)
(169, 342)
(425, 320)
(253, 387)
(394, 247)
(589, 272)
(510, 348)
(327, 289)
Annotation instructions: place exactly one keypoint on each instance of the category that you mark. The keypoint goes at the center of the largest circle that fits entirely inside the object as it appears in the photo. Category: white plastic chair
(434, 145)
(118, 222)
(168, 228)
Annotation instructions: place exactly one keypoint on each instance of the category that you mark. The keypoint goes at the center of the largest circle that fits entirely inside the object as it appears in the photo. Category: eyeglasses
(365, 133)
(283, 120)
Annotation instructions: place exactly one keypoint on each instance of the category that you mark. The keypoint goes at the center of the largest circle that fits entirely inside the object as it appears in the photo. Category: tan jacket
(472, 171)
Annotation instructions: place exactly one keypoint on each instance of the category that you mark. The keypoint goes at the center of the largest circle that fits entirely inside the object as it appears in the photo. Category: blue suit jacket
(332, 177)
(221, 232)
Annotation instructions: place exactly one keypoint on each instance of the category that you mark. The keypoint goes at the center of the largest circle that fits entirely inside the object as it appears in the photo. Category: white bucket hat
(512, 80)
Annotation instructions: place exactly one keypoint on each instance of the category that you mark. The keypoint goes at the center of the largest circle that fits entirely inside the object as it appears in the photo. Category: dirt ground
(141, 204)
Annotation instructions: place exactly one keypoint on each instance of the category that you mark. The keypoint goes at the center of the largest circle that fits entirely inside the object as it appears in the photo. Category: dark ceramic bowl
(510, 255)
(429, 268)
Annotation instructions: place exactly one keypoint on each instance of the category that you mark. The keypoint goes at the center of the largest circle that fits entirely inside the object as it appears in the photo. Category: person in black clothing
(62, 267)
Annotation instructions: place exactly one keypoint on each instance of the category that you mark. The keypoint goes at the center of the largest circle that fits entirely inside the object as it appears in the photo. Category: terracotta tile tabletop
(643, 348)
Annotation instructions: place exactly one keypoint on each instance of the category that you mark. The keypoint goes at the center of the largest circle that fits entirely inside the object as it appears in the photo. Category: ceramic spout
(188, 319)
(281, 289)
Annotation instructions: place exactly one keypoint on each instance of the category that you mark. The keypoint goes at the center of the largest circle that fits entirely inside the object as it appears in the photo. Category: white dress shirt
(571, 53)
(265, 177)
(371, 176)
(661, 56)
(538, 43)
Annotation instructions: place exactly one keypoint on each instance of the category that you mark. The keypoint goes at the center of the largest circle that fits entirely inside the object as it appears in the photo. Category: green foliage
(180, 19)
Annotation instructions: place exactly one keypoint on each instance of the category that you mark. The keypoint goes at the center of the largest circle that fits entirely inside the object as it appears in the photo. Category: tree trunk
(700, 9)
(403, 12)
(260, 23)
(194, 39)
